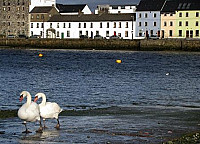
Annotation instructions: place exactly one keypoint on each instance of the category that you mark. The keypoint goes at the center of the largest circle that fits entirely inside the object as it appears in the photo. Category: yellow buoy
(118, 61)
(40, 55)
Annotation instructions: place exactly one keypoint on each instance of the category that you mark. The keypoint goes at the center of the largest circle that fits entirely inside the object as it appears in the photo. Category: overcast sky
(93, 3)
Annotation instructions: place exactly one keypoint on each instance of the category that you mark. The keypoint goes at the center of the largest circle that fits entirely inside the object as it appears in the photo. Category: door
(187, 34)
(191, 33)
(62, 35)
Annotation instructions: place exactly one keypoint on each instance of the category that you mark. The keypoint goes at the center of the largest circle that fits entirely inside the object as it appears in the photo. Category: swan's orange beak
(36, 98)
(21, 98)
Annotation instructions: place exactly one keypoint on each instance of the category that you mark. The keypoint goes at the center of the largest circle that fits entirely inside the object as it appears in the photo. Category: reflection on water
(44, 137)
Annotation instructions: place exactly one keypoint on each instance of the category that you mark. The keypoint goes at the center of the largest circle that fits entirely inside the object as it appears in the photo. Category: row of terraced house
(148, 19)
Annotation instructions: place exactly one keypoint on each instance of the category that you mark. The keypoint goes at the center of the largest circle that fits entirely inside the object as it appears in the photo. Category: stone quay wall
(90, 44)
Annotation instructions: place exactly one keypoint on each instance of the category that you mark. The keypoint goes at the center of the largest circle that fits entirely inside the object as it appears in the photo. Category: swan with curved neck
(48, 110)
(29, 111)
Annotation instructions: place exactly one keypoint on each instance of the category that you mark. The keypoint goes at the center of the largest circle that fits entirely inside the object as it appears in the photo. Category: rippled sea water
(145, 83)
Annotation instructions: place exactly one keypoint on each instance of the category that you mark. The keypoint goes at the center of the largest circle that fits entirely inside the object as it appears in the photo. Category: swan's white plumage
(48, 110)
(30, 110)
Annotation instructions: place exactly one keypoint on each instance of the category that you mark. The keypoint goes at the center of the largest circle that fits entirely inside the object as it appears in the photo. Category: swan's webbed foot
(39, 130)
(26, 131)
(45, 127)
(57, 126)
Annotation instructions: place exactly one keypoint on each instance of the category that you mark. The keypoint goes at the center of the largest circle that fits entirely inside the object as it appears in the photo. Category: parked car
(154, 37)
(11, 36)
(35, 36)
(84, 37)
(115, 37)
(98, 37)
(22, 36)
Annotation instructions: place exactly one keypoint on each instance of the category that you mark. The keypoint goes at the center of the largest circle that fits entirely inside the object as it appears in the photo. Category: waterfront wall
(142, 45)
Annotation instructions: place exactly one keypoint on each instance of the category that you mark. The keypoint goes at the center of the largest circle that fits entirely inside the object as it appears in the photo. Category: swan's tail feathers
(61, 110)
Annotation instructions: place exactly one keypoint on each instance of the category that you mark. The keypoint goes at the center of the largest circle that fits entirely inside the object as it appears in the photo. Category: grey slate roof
(70, 8)
(150, 5)
(174, 5)
(92, 18)
(41, 9)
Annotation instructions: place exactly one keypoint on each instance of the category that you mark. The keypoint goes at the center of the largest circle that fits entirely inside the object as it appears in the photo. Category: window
(154, 23)
(50, 25)
(31, 25)
(8, 8)
(165, 23)
(114, 25)
(79, 25)
(186, 14)
(80, 33)
(154, 15)
(58, 34)
(145, 15)
(58, 25)
(31, 33)
(41, 33)
(197, 33)
(145, 24)
(120, 25)
(165, 14)
(37, 16)
(64, 25)
(139, 24)
(68, 33)
(197, 14)
(32, 17)
(18, 23)
(180, 23)
(180, 14)
(69, 26)
(170, 33)
(91, 25)
(86, 33)
(107, 24)
(22, 23)
(171, 23)
(42, 25)
(197, 23)
(126, 33)
(186, 23)
(37, 25)
(107, 33)
(84, 25)
(140, 15)
(180, 33)
(101, 25)
(126, 24)
(97, 32)
(171, 14)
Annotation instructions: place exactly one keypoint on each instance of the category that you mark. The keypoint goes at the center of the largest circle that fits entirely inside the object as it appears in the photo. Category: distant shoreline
(91, 44)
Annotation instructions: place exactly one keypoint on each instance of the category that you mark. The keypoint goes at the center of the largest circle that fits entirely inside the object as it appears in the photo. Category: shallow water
(160, 91)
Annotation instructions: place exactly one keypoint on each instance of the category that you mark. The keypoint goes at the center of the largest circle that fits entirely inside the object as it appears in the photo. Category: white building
(148, 19)
(115, 9)
(72, 26)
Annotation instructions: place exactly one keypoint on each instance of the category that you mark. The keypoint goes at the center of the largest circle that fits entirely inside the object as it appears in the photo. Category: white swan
(29, 112)
(48, 110)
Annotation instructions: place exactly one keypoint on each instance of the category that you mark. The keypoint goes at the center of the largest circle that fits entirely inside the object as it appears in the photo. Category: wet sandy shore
(138, 125)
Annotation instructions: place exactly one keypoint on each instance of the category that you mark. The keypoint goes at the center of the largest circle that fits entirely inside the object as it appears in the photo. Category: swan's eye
(21, 96)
